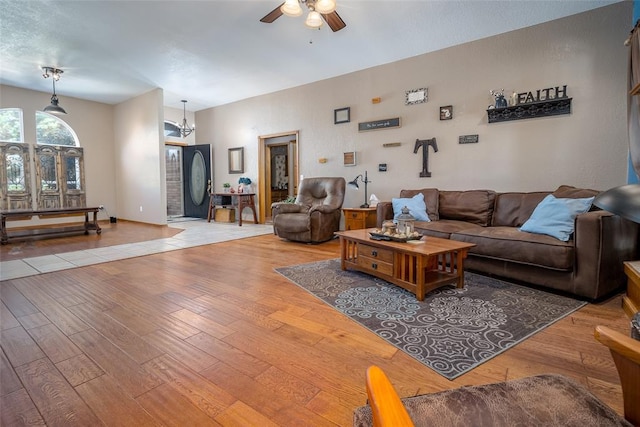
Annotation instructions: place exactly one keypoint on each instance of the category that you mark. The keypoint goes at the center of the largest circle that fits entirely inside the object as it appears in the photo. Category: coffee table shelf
(416, 267)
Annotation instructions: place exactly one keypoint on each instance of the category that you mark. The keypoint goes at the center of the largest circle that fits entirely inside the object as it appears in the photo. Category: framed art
(416, 96)
(446, 112)
(350, 158)
(342, 115)
(236, 160)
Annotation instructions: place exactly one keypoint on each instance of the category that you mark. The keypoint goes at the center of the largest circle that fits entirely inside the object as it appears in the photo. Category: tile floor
(195, 233)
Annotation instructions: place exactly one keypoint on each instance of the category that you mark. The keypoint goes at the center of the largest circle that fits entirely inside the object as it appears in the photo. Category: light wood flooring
(212, 335)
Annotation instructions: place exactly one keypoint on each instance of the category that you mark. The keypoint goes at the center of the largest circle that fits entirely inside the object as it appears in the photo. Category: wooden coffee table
(416, 267)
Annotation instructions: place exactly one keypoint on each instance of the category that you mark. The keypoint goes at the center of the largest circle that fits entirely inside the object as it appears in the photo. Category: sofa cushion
(430, 199)
(475, 206)
(443, 228)
(569, 192)
(556, 217)
(510, 244)
(417, 207)
(513, 209)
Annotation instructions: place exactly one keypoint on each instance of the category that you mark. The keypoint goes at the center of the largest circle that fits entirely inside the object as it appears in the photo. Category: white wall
(139, 150)
(587, 148)
(93, 124)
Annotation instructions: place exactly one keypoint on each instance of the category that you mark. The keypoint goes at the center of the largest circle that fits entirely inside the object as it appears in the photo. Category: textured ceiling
(216, 52)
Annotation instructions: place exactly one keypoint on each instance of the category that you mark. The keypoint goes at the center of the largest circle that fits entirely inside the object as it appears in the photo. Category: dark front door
(197, 177)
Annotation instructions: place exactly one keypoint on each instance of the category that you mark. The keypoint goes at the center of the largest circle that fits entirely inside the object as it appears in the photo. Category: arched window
(11, 125)
(171, 129)
(51, 130)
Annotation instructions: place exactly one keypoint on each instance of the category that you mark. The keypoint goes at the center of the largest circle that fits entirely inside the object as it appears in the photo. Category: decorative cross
(425, 144)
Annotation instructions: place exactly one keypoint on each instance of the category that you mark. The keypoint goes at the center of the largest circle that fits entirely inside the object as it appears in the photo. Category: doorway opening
(278, 170)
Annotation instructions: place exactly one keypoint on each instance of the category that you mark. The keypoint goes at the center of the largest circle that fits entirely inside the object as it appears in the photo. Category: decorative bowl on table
(378, 234)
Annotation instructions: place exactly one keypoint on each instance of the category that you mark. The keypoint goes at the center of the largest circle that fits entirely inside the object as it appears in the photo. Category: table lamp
(354, 184)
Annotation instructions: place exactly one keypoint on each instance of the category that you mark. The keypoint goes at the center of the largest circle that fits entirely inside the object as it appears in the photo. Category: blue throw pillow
(556, 217)
(417, 207)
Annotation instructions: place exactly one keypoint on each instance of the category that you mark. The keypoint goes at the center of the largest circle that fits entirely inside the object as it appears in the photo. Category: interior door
(197, 178)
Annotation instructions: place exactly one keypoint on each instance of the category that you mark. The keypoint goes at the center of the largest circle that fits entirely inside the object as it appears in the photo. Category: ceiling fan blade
(335, 22)
(273, 15)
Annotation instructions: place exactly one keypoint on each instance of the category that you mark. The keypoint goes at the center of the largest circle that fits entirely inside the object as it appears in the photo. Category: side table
(359, 218)
(631, 301)
(244, 200)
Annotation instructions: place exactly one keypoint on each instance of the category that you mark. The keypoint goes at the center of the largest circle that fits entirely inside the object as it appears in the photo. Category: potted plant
(245, 185)
(226, 187)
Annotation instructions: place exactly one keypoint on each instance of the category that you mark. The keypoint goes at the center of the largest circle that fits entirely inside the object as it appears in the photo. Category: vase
(501, 102)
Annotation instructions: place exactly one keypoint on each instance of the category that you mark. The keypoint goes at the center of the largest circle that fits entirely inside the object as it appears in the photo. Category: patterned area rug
(453, 330)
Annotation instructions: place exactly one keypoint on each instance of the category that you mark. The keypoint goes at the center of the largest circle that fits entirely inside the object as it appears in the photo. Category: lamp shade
(54, 107)
(291, 8)
(314, 20)
(623, 201)
(325, 6)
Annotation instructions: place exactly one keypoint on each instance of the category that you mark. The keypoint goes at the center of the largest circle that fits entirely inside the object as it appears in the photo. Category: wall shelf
(551, 107)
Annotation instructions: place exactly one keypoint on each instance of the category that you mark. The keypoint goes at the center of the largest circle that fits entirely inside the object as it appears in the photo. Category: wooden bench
(24, 215)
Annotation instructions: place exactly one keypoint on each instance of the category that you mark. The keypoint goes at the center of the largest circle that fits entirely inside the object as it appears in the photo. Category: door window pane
(49, 180)
(72, 171)
(15, 172)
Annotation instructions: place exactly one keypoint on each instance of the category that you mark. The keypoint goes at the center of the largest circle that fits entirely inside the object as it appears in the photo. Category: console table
(242, 200)
(23, 215)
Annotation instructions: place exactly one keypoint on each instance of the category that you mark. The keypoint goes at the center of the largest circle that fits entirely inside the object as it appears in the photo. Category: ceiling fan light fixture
(314, 20)
(325, 6)
(291, 8)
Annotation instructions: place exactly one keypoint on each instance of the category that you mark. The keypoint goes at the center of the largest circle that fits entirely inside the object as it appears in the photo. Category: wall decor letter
(425, 144)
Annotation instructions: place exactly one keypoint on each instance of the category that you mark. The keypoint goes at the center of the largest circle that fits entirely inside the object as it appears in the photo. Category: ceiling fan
(317, 9)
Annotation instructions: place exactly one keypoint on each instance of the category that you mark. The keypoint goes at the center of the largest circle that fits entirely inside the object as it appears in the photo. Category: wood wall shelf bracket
(552, 107)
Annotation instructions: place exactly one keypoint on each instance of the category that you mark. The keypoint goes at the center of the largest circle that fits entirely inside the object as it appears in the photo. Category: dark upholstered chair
(542, 400)
(315, 215)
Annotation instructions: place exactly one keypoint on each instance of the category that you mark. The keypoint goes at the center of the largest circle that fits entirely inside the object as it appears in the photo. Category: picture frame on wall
(446, 112)
(416, 96)
(342, 115)
(236, 160)
(350, 158)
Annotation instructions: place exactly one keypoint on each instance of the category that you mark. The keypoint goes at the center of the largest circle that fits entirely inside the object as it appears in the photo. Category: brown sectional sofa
(588, 266)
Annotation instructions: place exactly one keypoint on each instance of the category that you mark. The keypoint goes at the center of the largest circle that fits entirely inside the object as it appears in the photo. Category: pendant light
(54, 73)
(185, 130)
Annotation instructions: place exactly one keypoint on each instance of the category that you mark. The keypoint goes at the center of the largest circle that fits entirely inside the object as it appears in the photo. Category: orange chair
(536, 400)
